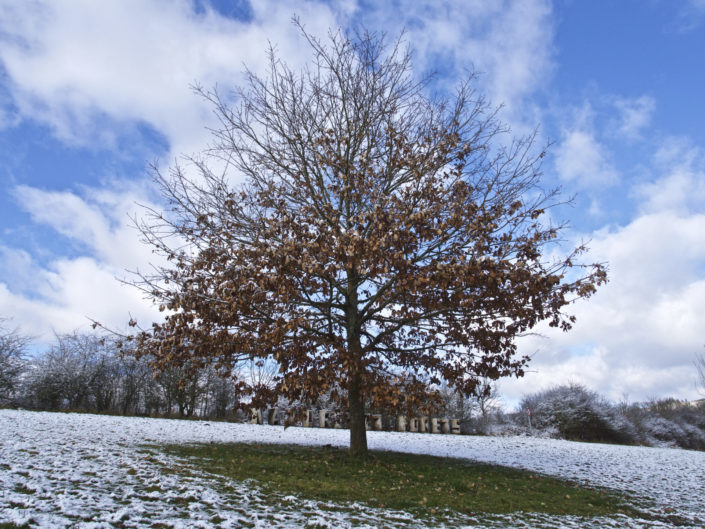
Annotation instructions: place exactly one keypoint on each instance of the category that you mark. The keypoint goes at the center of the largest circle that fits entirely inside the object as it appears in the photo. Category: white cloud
(521, 52)
(682, 189)
(75, 64)
(67, 213)
(582, 157)
(639, 333)
(583, 161)
(638, 382)
(18, 269)
(634, 115)
(62, 294)
(680, 186)
(66, 293)
(99, 220)
(509, 42)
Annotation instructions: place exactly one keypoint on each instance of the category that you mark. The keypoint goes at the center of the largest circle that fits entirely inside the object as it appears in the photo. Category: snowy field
(89, 471)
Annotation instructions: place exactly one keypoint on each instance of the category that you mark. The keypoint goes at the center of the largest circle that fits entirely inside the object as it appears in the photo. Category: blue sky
(91, 92)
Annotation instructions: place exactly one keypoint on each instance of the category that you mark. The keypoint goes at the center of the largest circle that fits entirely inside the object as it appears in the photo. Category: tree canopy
(368, 238)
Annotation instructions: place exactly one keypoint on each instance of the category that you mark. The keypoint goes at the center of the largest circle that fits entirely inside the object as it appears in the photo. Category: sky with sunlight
(93, 92)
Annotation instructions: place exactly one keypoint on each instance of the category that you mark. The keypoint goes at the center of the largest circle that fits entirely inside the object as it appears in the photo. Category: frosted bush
(575, 412)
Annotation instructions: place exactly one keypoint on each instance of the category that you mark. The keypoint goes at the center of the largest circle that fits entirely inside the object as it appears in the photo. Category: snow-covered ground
(89, 471)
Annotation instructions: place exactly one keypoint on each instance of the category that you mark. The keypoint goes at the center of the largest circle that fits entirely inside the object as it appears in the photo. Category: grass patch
(416, 483)
(23, 489)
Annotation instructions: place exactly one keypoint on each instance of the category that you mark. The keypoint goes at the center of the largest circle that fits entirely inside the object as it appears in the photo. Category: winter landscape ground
(89, 471)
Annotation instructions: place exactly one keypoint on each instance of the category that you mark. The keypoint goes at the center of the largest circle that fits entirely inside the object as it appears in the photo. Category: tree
(379, 239)
(13, 346)
(486, 401)
(700, 368)
(479, 406)
(134, 379)
(78, 372)
(181, 387)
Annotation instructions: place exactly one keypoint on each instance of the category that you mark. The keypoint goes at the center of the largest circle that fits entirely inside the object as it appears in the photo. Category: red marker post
(528, 414)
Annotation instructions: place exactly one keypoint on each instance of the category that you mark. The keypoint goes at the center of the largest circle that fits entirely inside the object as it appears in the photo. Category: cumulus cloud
(583, 161)
(18, 269)
(62, 293)
(99, 219)
(85, 68)
(639, 333)
(580, 158)
(680, 185)
(73, 65)
(65, 293)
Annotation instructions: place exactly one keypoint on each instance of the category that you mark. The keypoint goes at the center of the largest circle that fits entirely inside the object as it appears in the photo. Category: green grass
(23, 489)
(416, 483)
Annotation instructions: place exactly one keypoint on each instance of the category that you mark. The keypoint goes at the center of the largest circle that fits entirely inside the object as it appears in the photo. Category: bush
(576, 413)
(671, 422)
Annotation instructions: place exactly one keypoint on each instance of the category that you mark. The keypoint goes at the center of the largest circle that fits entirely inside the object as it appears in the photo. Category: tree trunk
(356, 400)
(356, 408)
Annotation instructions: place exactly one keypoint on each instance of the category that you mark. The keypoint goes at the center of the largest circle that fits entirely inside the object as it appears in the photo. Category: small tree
(134, 378)
(700, 369)
(181, 389)
(379, 235)
(479, 406)
(13, 347)
(219, 402)
(79, 371)
(486, 401)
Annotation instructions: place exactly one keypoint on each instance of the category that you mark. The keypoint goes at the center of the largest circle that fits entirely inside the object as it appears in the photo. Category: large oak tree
(369, 239)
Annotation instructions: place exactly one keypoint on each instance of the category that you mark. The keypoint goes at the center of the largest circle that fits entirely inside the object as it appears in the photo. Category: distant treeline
(86, 373)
